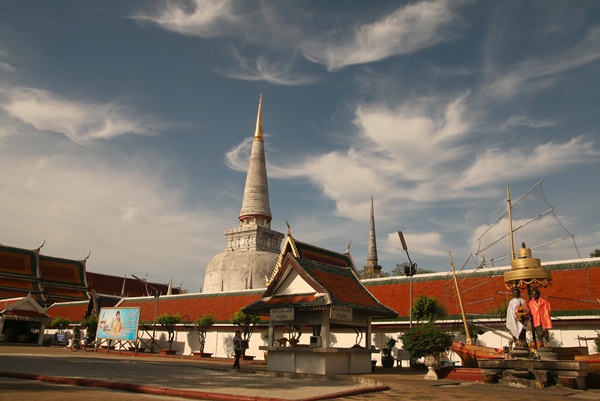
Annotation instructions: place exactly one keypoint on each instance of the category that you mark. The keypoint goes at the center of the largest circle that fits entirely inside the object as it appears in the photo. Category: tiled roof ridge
(296, 295)
(480, 272)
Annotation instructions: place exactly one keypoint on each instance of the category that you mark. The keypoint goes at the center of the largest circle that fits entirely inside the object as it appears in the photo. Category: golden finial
(258, 134)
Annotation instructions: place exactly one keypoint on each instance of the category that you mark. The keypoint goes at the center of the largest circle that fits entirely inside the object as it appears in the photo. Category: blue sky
(125, 126)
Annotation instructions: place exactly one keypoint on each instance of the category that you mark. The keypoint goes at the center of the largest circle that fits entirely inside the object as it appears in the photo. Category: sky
(126, 126)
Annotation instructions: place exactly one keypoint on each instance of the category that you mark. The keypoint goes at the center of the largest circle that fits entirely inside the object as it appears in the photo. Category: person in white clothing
(516, 314)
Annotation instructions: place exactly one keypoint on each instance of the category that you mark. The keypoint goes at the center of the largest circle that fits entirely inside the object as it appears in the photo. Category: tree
(401, 270)
(90, 323)
(202, 324)
(61, 323)
(426, 309)
(169, 321)
(245, 324)
(370, 273)
(595, 254)
(425, 338)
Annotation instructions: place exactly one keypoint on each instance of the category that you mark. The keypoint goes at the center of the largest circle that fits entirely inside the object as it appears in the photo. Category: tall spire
(255, 205)
(372, 250)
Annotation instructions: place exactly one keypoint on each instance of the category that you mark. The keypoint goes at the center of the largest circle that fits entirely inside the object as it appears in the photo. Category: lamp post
(156, 295)
(410, 272)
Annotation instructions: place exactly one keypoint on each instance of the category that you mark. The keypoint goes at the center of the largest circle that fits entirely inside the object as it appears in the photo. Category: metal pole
(410, 277)
(462, 310)
(510, 224)
(156, 295)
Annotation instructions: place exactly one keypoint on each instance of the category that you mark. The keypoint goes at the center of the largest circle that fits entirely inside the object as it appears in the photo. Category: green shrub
(425, 339)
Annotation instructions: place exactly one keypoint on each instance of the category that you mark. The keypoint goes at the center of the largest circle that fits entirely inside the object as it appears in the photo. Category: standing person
(116, 325)
(540, 312)
(515, 317)
(237, 347)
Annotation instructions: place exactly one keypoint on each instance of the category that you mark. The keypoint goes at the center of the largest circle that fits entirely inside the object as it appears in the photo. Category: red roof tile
(191, 306)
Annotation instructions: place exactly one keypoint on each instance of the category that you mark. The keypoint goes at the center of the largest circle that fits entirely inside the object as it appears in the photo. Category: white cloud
(202, 18)
(262, 69)
(500, 165)
(238, 157)
(547, 237)
(427, 243)
(525, 121)
(533, 75)
(80, 122)
(406, 30)
(129, 214)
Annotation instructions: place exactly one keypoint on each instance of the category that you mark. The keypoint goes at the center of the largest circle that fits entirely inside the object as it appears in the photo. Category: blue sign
(118, 324)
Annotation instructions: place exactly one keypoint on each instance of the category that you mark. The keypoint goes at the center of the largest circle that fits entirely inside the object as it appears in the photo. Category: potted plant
(202, 324)
(387, 359)
(265, 338)
(425, 340)
(169, 322)
(90, 323)
(61, 323)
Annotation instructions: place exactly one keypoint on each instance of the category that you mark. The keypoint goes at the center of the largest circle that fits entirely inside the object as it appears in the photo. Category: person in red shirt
(540, 314)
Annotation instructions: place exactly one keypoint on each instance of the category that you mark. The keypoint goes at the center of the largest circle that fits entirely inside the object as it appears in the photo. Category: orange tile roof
(575, 291)
(576, 288)
(74, 311)
(191, 306)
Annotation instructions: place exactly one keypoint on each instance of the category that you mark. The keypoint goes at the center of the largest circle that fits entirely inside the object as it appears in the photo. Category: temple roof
(52, 279)
(48, 279)
(23, 308)
(574, 294)
(310, 277)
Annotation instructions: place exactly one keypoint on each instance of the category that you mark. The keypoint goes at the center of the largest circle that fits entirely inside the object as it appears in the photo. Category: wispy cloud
(536, 74)
(501, 165)
(80, 122)
(262, 69)
(525, 121)
(202, 18)
(238, 157)
(4, 63)
(406, 30)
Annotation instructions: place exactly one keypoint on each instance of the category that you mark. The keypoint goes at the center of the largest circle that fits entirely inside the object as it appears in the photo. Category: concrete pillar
(325, 329)
(40, 340)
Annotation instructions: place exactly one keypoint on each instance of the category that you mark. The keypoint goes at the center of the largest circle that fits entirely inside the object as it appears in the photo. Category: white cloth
(513, 324)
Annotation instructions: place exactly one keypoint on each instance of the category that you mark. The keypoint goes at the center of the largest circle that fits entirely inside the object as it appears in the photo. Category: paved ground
(53, 374)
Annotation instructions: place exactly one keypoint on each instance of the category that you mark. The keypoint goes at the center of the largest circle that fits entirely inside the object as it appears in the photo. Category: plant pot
(433, 364)
(387, 361)
(203, 354)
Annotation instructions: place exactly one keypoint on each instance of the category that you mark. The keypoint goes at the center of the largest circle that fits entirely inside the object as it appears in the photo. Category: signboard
(343, 313)
(282, 314)
(118, 324)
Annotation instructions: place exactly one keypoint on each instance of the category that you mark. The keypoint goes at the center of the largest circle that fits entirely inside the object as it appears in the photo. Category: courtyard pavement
(214, 379)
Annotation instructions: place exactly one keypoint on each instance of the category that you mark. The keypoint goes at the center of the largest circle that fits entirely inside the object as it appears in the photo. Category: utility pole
(412, 269)
(156, 295)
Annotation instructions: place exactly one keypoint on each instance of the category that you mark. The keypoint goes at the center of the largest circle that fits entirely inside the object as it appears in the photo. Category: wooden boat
(470, 353)
(593, 360)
